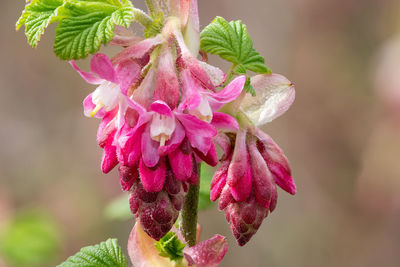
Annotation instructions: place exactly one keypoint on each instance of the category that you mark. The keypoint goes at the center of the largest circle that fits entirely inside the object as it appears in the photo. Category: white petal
(107, 94)
(274, 95)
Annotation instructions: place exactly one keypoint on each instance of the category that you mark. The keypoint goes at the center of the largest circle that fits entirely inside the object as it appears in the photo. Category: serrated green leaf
(105, 254)
(170, 247)
(249, 88)
(37, 16)
(206, 174)
(232, 42)
(88, 25)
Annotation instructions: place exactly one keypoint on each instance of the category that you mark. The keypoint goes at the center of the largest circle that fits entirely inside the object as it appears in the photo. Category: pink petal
(102, 66)
(224, 142)
(228, 94)
(275, 94)
(191, 63)
(184, 12)
(262, 177)
(152, 178)
(276, 161)
(106, 128)
(190, 24)
(128, 73)
(167, 84)
(175, 141)
(208, 253)
(218, 181)
(136, 106)
(149, 149)
(138, 50)
(129, 145)
(211, 158)
(87, 76)
(181, 164)
(198, 132)
(89, 106)
(224, 122)
(216, 75)
(239, 173)
(109, 160)
(191, 92)
(144, 94)
(161, 107)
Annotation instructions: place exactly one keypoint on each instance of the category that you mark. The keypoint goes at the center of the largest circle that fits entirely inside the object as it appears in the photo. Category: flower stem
(189, 214)
(142, 18)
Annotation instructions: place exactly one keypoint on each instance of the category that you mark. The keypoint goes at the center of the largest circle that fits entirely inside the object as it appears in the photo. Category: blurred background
(342, 136)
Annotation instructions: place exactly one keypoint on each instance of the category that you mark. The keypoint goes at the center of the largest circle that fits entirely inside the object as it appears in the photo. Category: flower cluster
(160, 110)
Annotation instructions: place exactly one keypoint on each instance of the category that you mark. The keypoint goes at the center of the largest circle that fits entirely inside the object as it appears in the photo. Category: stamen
(96, 109)
(162, 140)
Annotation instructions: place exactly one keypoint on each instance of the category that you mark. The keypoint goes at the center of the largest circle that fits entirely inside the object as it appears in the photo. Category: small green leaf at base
(170, 247)
(232, 42)
(105, 254)
(249, 88)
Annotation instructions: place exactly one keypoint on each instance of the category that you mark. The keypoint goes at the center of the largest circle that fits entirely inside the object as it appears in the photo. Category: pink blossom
(252, 166)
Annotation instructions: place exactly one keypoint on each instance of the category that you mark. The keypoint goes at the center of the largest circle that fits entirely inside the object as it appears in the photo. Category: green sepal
(156, 27)
(170, 247)
(105, 254)
(249, 88)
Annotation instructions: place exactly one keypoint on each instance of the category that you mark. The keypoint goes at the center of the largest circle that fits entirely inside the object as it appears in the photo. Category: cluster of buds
(160, 110)
(253, 164)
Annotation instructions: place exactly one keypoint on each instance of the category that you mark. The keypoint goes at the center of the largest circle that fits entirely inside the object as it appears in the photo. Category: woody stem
(189, 214)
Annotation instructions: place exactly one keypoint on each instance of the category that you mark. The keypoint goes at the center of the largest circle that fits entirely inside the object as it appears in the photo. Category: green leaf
(206, 174)
(88, 24)
(32, 238)
(37, 16)
(232, 42)
(118, 209)
(170, 247)
(105, 254)
(249, 88)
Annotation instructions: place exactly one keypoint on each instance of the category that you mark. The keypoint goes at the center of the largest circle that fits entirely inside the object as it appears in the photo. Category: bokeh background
(342, 136)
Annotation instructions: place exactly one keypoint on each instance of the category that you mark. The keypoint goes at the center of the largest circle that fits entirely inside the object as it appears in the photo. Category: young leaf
(36, 17)
(232, 42)
(170, 247)
(249, 88)
(88, 24)
(105, 254)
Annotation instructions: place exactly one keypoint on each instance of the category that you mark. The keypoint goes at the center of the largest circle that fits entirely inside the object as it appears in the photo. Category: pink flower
(252, 166)
(163, 132)
(143, 253)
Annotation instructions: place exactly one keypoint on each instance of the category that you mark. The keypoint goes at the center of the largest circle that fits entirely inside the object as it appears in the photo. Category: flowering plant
(163, 108)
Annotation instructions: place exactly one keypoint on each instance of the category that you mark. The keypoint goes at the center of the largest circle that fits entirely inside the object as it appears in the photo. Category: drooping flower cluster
(158, 105)
(253, 164)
